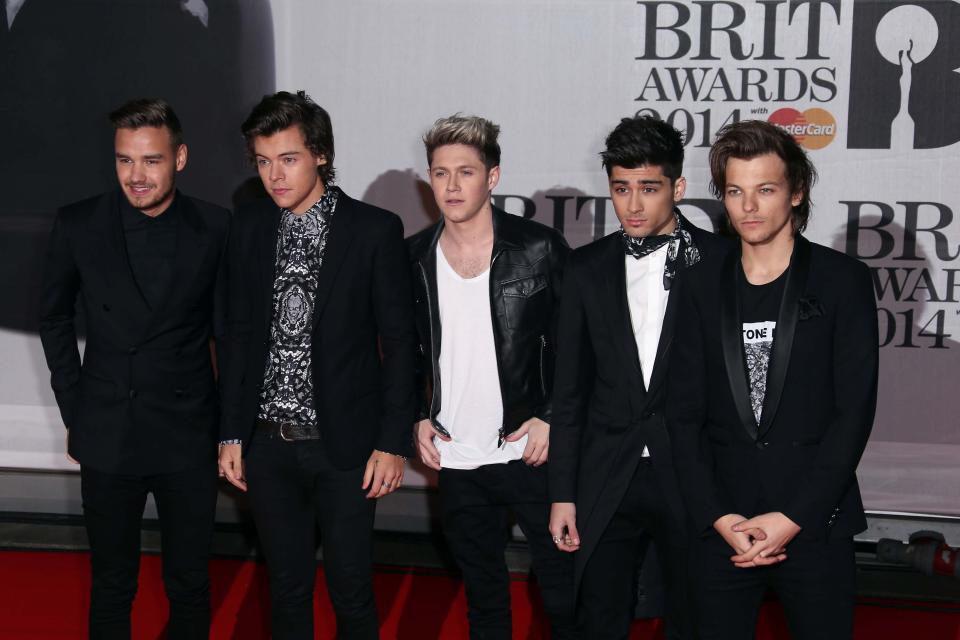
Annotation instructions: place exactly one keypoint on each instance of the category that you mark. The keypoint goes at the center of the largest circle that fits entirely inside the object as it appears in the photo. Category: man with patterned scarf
(612, 481)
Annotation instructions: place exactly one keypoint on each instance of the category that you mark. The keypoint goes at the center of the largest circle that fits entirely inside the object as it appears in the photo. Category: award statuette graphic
(905, 36)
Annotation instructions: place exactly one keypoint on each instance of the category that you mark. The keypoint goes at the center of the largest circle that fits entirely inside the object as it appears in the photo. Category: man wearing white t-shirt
(487, 287)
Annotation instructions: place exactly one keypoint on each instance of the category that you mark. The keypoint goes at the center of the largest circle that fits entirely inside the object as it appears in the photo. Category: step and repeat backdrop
(871, 89)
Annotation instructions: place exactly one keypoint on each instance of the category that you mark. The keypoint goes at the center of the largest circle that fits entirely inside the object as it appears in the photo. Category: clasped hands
(758, 541)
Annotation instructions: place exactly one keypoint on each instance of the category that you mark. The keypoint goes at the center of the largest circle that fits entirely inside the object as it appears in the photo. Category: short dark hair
(473, 131)
(642, 140)
(148, 112)
(283, 110)
(752, 138)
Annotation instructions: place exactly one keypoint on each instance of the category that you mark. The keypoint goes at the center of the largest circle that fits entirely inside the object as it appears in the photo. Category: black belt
(286, 430)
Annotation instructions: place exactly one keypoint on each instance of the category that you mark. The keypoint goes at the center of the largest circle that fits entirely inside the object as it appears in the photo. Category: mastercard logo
(812, 129)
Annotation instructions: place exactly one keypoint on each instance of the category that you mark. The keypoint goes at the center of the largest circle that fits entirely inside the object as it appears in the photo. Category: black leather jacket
(526, 272)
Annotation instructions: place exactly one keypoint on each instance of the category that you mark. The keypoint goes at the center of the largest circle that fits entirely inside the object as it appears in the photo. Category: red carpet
(43, 595)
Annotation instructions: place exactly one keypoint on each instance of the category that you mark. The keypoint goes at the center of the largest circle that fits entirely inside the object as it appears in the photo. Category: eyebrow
(644, 181)
(279, 155)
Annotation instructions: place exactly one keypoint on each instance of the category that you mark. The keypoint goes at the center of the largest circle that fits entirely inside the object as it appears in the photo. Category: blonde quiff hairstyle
(473, 131)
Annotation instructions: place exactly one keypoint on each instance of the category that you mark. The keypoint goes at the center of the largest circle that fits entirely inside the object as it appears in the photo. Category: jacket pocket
(524, 302)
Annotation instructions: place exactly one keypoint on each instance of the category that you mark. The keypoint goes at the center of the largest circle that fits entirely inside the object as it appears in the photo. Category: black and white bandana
(680, 247)
(287, 394)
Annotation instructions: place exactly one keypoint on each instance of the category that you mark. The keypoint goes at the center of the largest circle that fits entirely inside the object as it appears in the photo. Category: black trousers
(293, 487)
(112, 511)
(608, 589)
(816, 585)
(475, 505)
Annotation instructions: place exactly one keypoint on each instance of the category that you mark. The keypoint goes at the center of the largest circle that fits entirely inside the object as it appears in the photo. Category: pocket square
(810, 307)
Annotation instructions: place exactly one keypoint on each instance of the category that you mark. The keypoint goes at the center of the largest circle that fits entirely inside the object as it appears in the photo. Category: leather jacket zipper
(543, 380)
(433, 359)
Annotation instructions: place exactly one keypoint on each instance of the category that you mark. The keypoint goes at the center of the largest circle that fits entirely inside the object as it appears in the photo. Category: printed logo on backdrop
(706, 64)
(904, 80)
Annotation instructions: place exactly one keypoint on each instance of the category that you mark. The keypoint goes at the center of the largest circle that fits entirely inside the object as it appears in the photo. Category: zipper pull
(500, 438)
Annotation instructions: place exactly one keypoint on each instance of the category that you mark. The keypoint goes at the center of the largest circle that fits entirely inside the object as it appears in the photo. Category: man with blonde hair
(487, 286)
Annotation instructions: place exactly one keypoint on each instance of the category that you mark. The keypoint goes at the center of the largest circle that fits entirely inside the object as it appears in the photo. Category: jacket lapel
(784, 333)
(340, 238)
(614, 277)
(267, 259)
(731, 341)
(666, 330)
(117, 260)
(190, 243)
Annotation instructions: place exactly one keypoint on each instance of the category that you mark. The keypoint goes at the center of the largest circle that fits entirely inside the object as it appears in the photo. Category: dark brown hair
(283, 110)
(148, 112)
(751, 138)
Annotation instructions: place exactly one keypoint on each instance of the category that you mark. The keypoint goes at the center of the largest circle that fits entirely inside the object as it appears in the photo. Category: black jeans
(112, 511)
(475, 505)
(293, 486)
(608, 590)
(816, 585)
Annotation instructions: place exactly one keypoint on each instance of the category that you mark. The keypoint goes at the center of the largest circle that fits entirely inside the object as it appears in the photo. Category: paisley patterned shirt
(287, 393)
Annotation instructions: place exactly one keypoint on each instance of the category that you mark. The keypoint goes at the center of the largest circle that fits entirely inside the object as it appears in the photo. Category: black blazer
(603, 415)
(819, 405)
(144, 399)
(363, 335)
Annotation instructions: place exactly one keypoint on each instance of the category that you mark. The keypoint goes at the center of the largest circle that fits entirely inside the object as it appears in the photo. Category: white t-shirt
(647, 300)
(471, 407)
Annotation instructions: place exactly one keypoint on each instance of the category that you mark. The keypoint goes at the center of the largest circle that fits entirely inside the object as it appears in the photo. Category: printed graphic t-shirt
(759, 307)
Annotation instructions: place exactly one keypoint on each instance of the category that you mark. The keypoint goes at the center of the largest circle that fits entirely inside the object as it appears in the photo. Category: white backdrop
(558, 74)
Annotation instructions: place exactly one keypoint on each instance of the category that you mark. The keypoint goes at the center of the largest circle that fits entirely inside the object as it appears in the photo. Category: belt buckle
(282, 434)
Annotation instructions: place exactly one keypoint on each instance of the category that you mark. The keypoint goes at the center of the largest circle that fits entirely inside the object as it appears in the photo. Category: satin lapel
(268, 229)
(731, 340)
(191, 240)
(340, 238)
(786, 328)
(614, 275)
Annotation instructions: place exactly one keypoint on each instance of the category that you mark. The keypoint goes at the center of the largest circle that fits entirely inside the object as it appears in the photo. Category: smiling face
(758, 200)
(288, 169)
(461, 182)
(147, 163)
(644, 199)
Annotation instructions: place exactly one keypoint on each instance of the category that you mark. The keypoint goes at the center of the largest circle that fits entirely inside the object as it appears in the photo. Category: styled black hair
(148, 112)
(283, 110)
(642, 140)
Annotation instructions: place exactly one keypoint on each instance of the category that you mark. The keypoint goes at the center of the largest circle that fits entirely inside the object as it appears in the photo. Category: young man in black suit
(612, 480)
(486, 285)
(317, 377)
(141, 409)
(773, 386)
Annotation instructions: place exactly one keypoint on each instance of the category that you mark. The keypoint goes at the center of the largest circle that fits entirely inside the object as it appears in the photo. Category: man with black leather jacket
(486, 287)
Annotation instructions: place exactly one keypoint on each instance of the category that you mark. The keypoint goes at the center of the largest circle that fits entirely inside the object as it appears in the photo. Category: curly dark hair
(283, 110)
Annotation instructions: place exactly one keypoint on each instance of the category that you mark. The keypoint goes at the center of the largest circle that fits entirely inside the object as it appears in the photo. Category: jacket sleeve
(574, 366)
(686, 415)
(855, 370)
(232, 344)
(559, 254)
(58, 296)
(393, 312)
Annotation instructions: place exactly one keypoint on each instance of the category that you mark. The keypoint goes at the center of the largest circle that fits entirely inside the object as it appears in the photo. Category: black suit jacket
(819, 405)
(363, 334)
(144, 399)
(603, 414)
